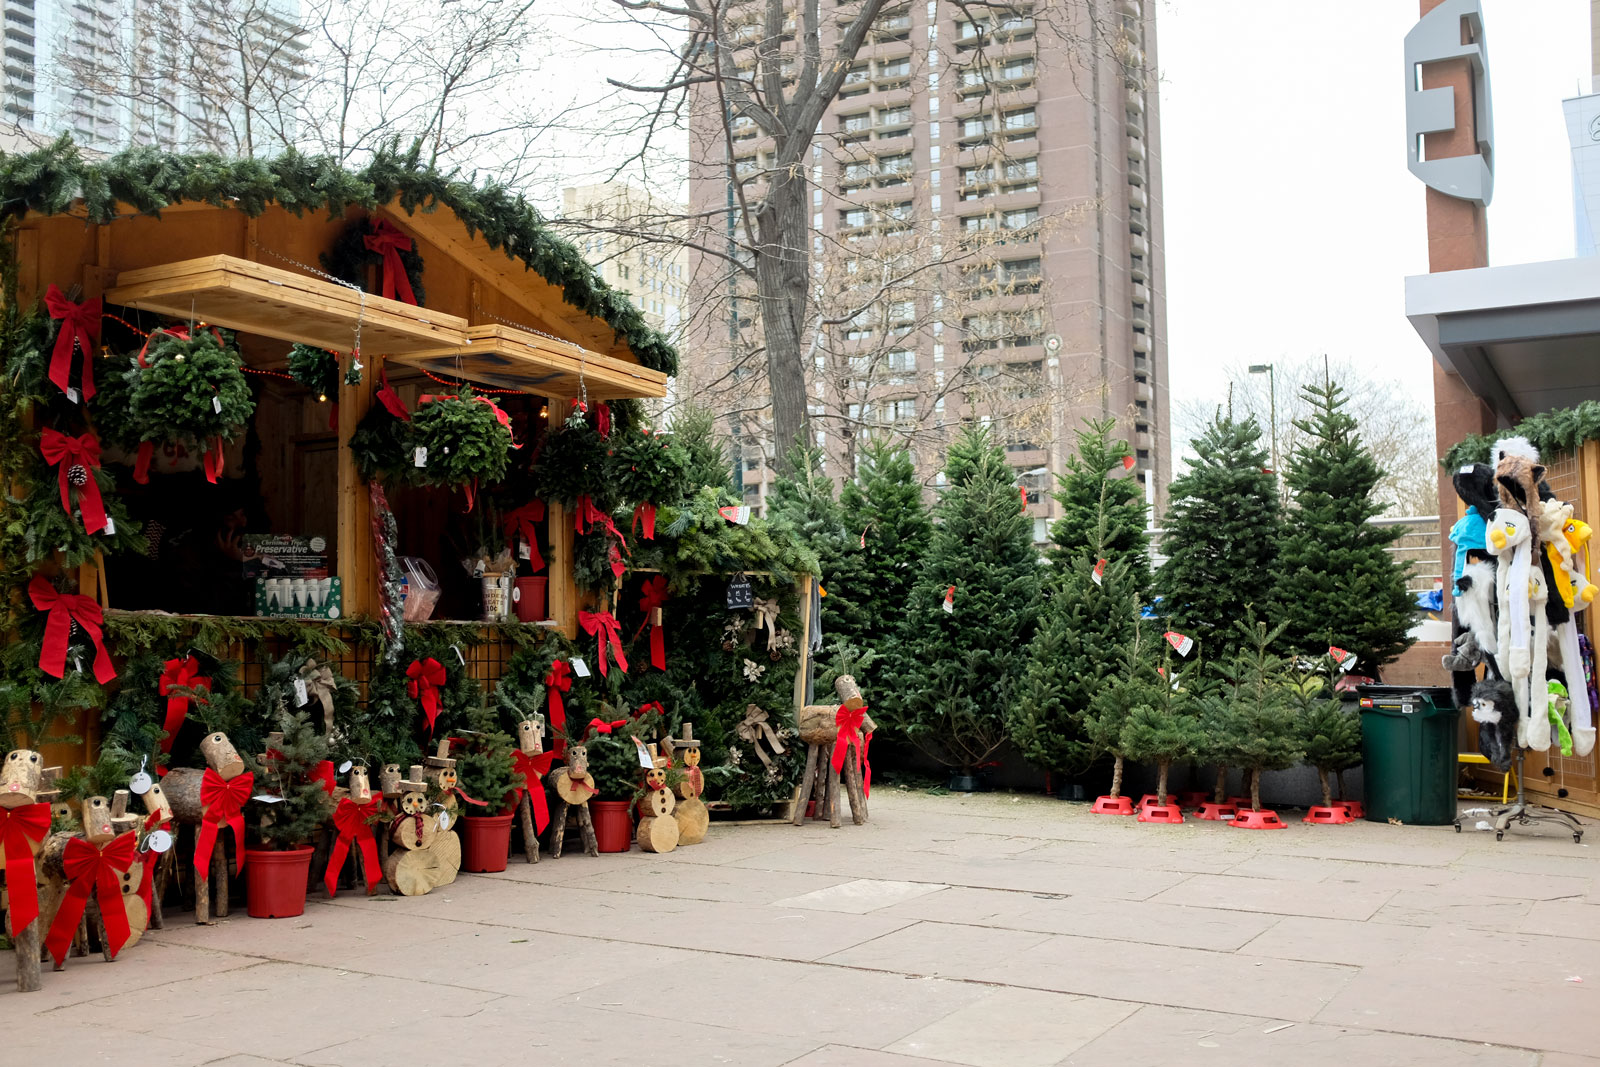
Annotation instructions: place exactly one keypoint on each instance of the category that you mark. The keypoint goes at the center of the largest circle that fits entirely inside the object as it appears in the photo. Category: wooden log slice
(182, 789)
(849, 692)
(693, 820)
(657, 834)
(692, 784)
(417, 872)
(818, 723)
(221, 756)
(656, 803)
(573, 788)
(405, 833)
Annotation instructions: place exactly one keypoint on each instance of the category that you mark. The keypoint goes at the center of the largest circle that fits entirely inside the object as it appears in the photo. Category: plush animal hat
(1476, 487)
(1495, 710)
(1518, 472)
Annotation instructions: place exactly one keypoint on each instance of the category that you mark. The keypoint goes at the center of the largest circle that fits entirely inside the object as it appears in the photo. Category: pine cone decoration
(78, 475)
(728, 646)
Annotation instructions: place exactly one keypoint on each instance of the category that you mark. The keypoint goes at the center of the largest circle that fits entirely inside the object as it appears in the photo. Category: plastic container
(1408, 747)
(275, 882)
(528, 598)
(421, 590)
(486, 842)
(613, 826)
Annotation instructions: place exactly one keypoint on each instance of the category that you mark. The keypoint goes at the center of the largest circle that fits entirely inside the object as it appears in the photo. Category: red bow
(602, 418)
(645, 709)
(533, 769)
(645, 513)
(322, 772)
(849, 735)
(389, 242)
(354, 823)
(426, 675)
(653, 595)
(61, 451)
(586, 515)
(520, 523)
(558, 681)
(21, 829)
(93, 869)
(389, 398)
(600, 726)
(80, 323)
(66, 609)
(221, 802)
(180, 674)
(603, 626)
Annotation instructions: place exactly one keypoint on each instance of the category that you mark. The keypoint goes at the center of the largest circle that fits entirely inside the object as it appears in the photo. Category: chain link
(583, 353)
(361, 294)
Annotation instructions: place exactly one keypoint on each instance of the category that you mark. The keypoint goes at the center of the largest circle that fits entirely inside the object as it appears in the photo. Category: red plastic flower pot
(1171, 813)
(1352, 808)
(529, 599)
(613, 826)
(1327, 816)
(1258, 820)
(1192, 800)
(275, 882)
(1215, 812)
(485, 842)
(1112, 806)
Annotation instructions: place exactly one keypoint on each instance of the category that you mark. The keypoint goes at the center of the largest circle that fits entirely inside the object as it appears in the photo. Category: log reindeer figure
(690, 813)
(533, 763)
(574, 789)
(353, 817)
(427, 854)
(836, 738)
(658, 830)
(91, 882)
(211, 800)
(24, 825)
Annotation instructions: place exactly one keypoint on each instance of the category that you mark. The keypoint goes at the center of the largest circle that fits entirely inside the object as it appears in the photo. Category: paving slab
(861, 895)
(1015, 1028)
(1276, 897)
(1356, 944)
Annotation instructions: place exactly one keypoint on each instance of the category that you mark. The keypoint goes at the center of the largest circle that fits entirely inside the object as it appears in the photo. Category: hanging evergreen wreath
(318, 370)
(180, 389)
(380, 447)
(573, 464)
(466, 441)
(350, 257)
(648, 468)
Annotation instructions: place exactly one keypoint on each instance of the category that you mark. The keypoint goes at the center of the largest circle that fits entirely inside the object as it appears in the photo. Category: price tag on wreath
(580, 668)
(741, 597)
(301, 697)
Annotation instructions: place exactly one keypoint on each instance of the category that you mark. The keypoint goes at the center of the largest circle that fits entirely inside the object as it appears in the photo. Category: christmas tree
(694, 428)
(971, 613)
(1330, 734)
(1165, 725)
(1337, 581)
(888, 526)
(1110, 706)
(803, 502)
(1261, 728)
(286, 773)
(1103, 514)
(1221, 536)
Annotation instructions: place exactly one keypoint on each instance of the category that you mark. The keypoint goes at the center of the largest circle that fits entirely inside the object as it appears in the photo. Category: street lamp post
(1272, 401)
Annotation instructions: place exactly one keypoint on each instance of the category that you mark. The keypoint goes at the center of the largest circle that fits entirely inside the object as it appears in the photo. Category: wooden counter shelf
(241, 295)
(505, 357)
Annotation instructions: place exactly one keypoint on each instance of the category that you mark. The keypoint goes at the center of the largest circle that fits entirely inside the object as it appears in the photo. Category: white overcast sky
(1291, 218)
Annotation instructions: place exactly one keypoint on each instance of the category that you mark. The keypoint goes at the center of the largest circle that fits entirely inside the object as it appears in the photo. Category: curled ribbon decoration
(64, 452)
(389, 398)
(80, 324)
(533, 769)
(603, 625)
(586, 516)
(180, 677)
(521, 523)
(556, 682)
(600, 726)
(389, 242)
(849, 736)
(426, 675)
(354, 823)
(321, 687)
(221, 801)
(93, 870)
(65, 609)
(754, 729)
(766, 613)
(652, 597)
(645, 513)
(20, 830)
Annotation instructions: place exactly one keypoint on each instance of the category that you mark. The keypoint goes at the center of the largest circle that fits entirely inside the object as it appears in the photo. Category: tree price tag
(1344, 659)
(950, 601)
(159, 841)
(644, 755)
(301, 697)
(140, 783)
(267, 798)
(738, 514)
(72, 395)
(1183, 645)
(419, 457)
(111, 526)
(580, 668)
(444, 820)
(216, 404)
(523, 552)
(1099, 574)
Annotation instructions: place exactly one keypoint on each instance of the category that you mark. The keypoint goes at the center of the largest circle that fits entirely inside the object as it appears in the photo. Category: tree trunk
(1161, 781)
(783, 235)
(1220, 796)
(1255, 789)
(1116, 778)
(1343, 793)
(1327, 797)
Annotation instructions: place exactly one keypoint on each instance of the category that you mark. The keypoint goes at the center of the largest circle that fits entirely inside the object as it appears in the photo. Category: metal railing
(1418, 546)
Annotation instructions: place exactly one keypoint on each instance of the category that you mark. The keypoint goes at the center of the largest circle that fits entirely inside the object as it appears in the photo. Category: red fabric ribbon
(221, 801)
(61, 451)
(653, 595)
(389, 242)
(586, 515)
(426, 675)
(556, 682)
(214, 461)
(21, 829)
(849, 735)
(600, 726)
(533, 769)
(179, 674)
(148, 860)
(645, 709)
(354, 823)
(64, 610)
(93, 869)
(480, 803)
(521, 523)
(602, 418)
(603, 625)
(389, 398)
(645, 513)
(80, 323)
(323, 772)
(499, 413)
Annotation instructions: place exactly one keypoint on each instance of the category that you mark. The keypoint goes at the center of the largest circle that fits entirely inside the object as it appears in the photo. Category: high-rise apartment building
(653, 274)
(986, 210)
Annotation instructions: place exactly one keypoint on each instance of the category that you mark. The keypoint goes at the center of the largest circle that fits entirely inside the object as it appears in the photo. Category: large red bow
(180, 674)
(645, 513)
(64, 610)
(93, 869)
(645, 709)
(521, 523)
(63, 452)
(600, 726)
(389, 242)
(558, 681)
(652, 596)
(221, 801)
(21, 829)
(354, 823)
(603, 625)
(80, 323)
(533, 769)
(426, 675)
(849, 736)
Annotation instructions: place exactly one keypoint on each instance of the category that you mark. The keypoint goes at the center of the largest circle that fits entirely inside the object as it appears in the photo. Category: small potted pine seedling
(1331, 737)
(291, 804)
(487, 778)
(1268, 729)
(1161, 729)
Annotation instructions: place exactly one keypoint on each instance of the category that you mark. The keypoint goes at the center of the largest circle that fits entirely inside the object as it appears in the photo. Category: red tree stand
(1258, 820)
(1112, 806)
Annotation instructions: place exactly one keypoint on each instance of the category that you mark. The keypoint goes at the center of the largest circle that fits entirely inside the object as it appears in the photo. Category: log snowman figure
(211, 800)
(574, 788)
(658, 830)
(427, 854)
(24, 825)
(690, 812)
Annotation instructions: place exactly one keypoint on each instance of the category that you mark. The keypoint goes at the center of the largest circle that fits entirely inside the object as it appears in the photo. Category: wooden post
(806, 785)
(26, 946)
(356, 566)
(563, 592)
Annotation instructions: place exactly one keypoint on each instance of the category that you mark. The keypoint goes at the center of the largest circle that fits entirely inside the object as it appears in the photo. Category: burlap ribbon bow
(765, 610)
(320, 686)
(754, 729)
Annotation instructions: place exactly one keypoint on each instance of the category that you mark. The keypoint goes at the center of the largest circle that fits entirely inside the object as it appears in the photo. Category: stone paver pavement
(990, 931)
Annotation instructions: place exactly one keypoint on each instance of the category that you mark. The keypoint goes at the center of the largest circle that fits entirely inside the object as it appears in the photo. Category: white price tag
(111, 526)
(300, 694)
(77, 664)
(216, 404)
(644, 755)
(267, 798)
(523, 552)
(158, 841)
(72, 395)
(580, 668)
(344, 768)
(419, 458)
(444, 820)
(140, 784)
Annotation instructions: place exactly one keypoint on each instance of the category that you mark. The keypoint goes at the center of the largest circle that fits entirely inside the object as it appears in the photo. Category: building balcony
(1129, 8)
(1005, 99)
(1141, 294)
(1144, 391)
(1142, 439)
(883, 50)
(1135, 173)
(1135, 102)
(1136, 221)
(1138, 198)
(1141, 343)
(1135, 124)
(1136, 152)
(1138, 245)
(1140, 318)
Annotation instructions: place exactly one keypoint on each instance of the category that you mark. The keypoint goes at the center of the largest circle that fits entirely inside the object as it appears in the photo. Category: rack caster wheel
(1458, 828)
(1577, 838)
(1499, 835)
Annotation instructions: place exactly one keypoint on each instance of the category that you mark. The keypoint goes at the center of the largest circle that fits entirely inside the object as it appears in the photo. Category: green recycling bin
(1408, 746)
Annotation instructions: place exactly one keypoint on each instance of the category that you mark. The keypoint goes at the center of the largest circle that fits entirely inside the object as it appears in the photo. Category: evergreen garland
(393, 721)
(133, 720)
(350, 257)
(1558, 430)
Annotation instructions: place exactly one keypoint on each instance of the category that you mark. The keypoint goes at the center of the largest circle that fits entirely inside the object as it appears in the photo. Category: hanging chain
(361, 294)
(583, 353)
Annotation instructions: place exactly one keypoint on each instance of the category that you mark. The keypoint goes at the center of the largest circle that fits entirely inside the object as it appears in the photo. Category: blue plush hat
(1469, 532)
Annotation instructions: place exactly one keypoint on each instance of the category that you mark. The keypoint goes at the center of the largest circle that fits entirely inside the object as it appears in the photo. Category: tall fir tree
(959, 669)
(695, 428)
(1221, 539)
(1338, 583)
(888, 527)
(1264, 725)
(803, 501)
(1103, 513)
